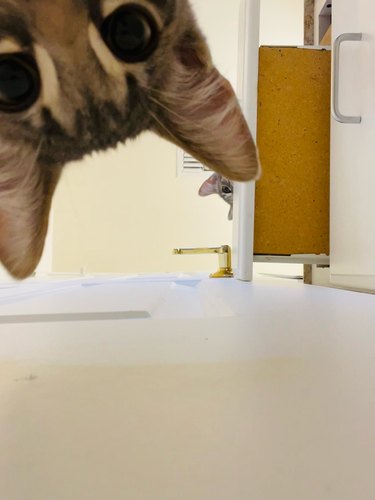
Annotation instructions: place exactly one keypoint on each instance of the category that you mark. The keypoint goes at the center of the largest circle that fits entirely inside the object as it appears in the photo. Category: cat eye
(131, 33)
(226, 190)
(19, 82)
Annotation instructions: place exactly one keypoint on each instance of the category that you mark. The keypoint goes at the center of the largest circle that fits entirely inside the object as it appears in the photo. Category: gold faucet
(225, 258)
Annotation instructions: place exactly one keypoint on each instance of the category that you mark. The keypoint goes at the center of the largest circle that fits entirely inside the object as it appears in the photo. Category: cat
(78, 76)
(217, 184)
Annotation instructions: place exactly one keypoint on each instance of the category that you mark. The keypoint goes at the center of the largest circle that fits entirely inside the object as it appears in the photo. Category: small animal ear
(26, 191)
(198, 110)
(230, 214)
(209, 186)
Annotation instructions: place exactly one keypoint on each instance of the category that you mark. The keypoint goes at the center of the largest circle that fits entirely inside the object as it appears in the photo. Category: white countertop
(224, 391)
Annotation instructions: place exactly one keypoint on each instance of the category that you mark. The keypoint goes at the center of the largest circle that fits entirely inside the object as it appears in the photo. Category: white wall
(282, 22)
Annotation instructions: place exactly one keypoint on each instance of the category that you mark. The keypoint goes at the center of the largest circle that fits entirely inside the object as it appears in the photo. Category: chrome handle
(345, 37)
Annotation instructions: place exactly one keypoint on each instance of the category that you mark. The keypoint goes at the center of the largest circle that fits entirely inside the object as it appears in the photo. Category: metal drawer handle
(345, 37)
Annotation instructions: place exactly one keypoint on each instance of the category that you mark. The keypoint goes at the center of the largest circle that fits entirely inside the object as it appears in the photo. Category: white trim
(319, 260)
(357, 282)
(244, 194)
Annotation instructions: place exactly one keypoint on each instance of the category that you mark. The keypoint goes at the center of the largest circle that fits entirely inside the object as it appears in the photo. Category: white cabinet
(353, 148)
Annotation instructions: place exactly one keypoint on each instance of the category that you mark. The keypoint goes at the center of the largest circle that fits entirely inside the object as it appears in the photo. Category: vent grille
(188, 164)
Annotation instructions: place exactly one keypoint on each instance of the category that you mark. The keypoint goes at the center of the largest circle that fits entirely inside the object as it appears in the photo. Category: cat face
(217, 184)
(77, 76)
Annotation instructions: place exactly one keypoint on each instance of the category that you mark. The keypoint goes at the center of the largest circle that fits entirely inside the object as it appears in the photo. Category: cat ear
(230, 214)
(209, 186)
(198, 110)
(25, 198)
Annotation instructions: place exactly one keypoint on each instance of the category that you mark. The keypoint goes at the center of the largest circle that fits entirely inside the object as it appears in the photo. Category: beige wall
(282, 22)
(124, 211)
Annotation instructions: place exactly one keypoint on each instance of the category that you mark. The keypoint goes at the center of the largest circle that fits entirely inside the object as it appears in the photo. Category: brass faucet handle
(225, 258)
(197, 251)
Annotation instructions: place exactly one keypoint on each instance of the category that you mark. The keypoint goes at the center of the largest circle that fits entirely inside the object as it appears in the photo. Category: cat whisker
(166, 94)
(164, 106)
(159, 122)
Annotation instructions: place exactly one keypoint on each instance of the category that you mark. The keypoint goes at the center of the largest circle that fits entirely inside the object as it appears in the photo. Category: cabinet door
(353, 150)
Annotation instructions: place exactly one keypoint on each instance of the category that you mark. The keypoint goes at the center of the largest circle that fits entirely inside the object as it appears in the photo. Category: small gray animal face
(217, 184)
(78, 76)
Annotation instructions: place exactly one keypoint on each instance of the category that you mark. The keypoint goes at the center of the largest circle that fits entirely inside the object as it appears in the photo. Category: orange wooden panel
(292, 197)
